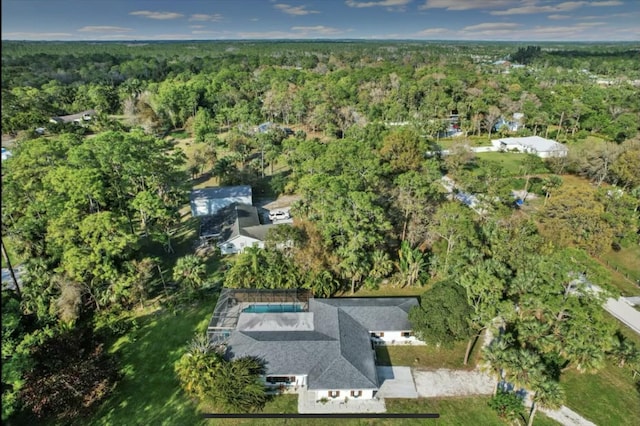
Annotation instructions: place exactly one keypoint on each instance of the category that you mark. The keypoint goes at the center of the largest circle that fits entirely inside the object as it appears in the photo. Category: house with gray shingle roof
(234, 228)
(327, 348)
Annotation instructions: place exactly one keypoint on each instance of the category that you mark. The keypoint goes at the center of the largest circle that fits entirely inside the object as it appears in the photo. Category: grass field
(428, 356)
(510, 162)
(149, 392)
(626, 262)
(452, 411)
(609, 397)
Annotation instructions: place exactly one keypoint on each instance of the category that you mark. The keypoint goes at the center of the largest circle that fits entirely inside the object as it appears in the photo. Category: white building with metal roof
(543, 148)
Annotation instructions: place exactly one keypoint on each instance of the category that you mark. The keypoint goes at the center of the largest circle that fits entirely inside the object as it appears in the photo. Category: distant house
(265, 127)
(234, 228)
(543, 148)
(513, 125)
(320, 346)
(78, 118)
(208, 201)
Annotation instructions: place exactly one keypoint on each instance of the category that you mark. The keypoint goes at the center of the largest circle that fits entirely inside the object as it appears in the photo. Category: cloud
(431, 31)
(157, 15)
(492, 26)
(264, 35)
(19, 35)
(533, 8)
(558, 17)
(467, 4)
(103, 29)
(200, 32)
(320, 29)
(606, 3)
(294, 10)
(195, 27)
(216, 17)
(590, 24)
(392, 4)
(169, 37)
(254, 19)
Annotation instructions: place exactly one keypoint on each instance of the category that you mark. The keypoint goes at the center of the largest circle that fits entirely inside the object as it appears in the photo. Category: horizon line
(316, 40)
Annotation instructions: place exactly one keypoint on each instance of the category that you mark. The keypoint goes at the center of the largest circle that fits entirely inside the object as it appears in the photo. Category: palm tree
(246, 270)
(239, 387)
(323, 283)
(191, 270)
(354, 269)
(381, 265)
(411, 264)
(198, 368)
(495, 359)
(625, 350)
(523, 367)
(547, 393)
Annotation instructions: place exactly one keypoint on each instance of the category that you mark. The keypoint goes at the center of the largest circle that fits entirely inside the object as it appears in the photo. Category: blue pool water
(283, 307)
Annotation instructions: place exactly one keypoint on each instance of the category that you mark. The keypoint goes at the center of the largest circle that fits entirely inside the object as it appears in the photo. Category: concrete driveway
(444, 382)
(396, 382)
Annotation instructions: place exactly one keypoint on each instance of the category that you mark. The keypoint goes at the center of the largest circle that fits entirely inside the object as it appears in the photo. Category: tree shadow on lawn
(149, 392)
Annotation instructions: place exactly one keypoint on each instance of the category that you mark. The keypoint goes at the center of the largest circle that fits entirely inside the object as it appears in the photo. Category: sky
(508, 20)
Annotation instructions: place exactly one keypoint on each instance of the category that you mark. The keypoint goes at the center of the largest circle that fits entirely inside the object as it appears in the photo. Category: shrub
(508, 405)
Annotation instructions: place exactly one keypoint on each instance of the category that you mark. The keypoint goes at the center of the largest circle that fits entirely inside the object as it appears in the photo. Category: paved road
(626, 313)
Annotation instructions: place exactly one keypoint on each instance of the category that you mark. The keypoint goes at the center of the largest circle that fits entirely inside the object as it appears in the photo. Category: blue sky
(514, 20)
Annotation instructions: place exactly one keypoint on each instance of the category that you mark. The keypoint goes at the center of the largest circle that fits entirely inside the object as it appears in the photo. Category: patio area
(307, 404)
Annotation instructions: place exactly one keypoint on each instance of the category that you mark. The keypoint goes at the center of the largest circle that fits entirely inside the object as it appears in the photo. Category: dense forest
(93, 211)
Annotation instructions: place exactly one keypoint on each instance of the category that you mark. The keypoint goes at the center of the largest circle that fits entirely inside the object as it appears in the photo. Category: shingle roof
(233, 220)
(377, 314)
(336, 353)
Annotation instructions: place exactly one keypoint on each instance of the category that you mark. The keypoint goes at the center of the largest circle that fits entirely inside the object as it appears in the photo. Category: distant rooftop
(218, 192)
(535, 143)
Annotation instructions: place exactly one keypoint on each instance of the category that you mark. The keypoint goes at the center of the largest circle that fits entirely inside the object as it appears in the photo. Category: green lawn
(608, 397)
(452, 411)
(611, 396)
(627, 263)
(427, 356)
(149, 393)
(510, 162)
(455, 411)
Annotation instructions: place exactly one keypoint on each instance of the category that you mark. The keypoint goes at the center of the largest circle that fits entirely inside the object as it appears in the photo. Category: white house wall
(366, 394)
(238, 244)
(394, 338)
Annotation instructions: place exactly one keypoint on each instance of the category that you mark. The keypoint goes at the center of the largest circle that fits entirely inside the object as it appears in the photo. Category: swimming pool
(271, 308)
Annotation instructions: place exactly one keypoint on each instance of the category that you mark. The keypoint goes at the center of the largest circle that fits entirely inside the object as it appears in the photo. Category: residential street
(622, 309)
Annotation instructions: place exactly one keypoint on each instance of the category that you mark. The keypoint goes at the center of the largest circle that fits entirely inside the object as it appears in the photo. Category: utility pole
(262, 155)
(13, 274)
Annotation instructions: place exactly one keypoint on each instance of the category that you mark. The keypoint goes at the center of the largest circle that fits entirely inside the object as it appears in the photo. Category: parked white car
(278, 215)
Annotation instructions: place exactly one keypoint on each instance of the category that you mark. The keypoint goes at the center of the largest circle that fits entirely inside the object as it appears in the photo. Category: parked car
(279, 215)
